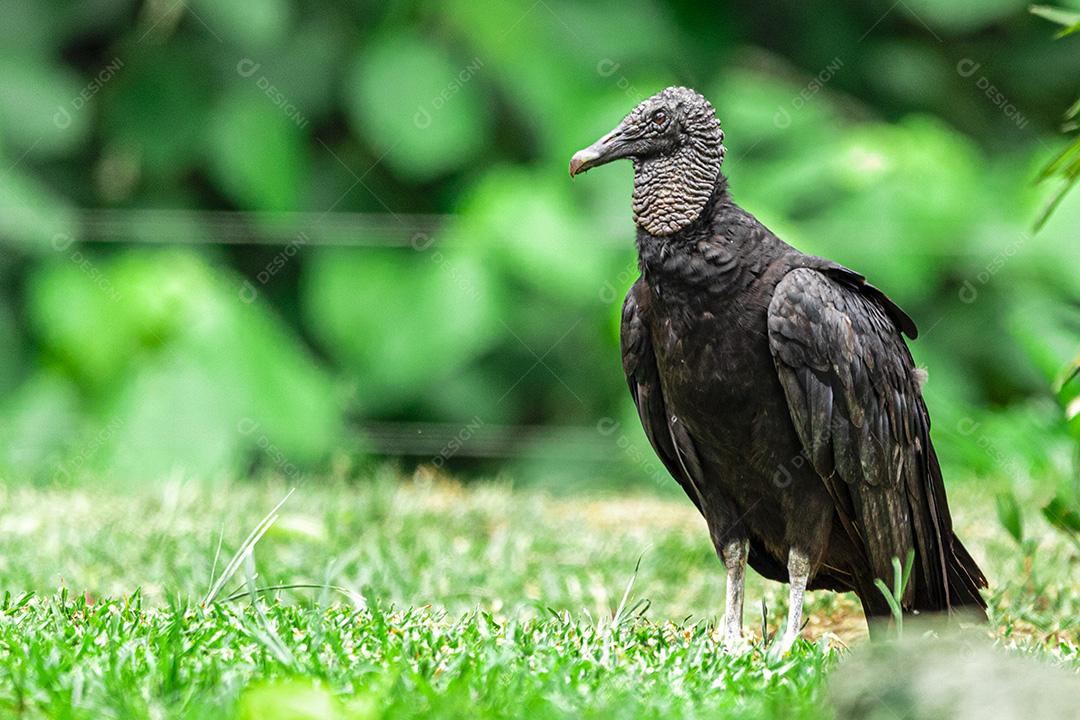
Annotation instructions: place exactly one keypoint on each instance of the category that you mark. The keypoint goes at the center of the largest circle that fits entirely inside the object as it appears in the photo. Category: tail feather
(954, 580)
(965, 579)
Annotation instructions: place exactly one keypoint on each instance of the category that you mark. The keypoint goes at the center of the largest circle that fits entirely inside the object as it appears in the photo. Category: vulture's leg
(798, 574)
(734, 553)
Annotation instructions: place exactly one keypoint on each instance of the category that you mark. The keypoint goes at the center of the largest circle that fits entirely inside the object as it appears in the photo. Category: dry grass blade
(357, 599)
(245, 549)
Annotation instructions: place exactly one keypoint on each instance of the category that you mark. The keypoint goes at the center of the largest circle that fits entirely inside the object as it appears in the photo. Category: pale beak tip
(580, 162)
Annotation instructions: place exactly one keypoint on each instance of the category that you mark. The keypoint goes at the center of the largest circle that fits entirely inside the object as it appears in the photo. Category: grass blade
(245, 549)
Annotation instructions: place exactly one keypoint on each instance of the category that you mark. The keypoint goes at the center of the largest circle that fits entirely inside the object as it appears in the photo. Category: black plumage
(775, 386)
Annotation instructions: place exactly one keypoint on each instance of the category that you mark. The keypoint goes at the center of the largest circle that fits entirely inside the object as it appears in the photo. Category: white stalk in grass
(617, 619)
(246, 548)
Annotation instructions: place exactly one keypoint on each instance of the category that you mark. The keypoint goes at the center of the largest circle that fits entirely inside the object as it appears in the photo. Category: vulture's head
(676, 145)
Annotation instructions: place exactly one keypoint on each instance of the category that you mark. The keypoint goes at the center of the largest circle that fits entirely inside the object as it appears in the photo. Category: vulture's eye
(659, 118)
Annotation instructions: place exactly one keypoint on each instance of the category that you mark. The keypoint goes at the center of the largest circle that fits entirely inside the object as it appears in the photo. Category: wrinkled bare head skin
(677, 146)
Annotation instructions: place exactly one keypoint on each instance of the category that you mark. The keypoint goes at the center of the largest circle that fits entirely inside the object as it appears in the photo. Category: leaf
(12, 362)
(1060, 16)
(157, 107)
(1073, 110)
(524, 221)
(33, 218)
(301, 415)
(1059, 162)
(1067, 165)
(890, 598)
(76, 313)
(1053, 202)
(278, 398)
(252, 23)
(417, 105)
(1010, 515)
(963, 16)
(895, 596)
(196, 378)
(1062, 515)
(288, 700)
(400, 320)
(256, 153)
(40, 418)
(1070, 373)
(42, 108)
(172, 415)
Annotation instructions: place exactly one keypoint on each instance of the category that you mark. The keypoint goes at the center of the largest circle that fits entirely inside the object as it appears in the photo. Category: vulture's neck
(701, 256)
(671, 191)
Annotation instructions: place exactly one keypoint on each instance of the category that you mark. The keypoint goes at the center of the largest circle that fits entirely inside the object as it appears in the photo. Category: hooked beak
(608, 148)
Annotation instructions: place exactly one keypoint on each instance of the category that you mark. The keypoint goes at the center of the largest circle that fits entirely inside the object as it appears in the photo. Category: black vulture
(775, 387)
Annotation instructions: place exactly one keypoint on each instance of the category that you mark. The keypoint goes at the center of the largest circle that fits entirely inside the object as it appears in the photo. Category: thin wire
(475, 440)
(420, 231)
(156, 226)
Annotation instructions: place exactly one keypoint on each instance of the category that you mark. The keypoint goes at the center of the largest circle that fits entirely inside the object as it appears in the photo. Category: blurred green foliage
(1066, 165)
(901, 140)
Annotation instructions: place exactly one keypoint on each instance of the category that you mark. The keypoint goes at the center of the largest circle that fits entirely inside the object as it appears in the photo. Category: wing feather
(856, 404)
(671, 442)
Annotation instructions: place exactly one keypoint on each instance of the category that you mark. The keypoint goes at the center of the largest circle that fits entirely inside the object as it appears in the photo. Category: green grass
(430, 599)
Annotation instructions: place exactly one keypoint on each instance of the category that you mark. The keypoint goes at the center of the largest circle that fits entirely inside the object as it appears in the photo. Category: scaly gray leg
(734, 555)
(798, 573)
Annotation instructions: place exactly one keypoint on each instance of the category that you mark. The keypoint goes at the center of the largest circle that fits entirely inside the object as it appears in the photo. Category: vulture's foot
(798, 574)
(734, 554)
